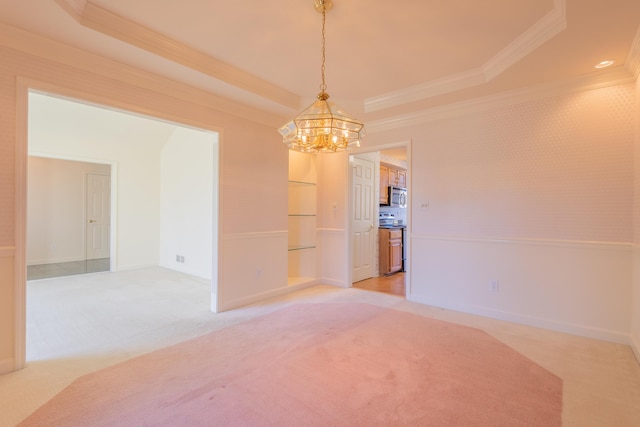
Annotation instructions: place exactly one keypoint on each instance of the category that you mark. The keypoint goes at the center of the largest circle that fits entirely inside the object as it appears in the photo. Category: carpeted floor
(337, 364)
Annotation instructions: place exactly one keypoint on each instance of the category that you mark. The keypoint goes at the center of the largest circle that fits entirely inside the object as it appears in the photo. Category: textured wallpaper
(559, 168)
(7, 146)
(636, 207)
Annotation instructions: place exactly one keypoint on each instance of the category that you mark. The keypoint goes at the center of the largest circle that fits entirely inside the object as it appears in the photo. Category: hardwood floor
(393, 284)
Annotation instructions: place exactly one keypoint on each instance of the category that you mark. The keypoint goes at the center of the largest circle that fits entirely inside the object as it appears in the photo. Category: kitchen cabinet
(397, 177)
(390, 176)
(390, 250)
(401, 178)
(384, 184)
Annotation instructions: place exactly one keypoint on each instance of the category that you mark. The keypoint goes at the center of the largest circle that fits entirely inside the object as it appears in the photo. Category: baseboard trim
(567, 328)
(334, 282)
(7, 366)
(135, 267)
(635, 346)
(261, 297)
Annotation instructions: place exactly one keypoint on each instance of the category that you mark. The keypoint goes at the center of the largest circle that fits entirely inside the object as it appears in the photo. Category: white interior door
(362, 222)
(98, 214)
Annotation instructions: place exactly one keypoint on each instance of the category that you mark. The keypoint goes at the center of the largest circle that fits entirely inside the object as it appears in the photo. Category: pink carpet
(318, 365)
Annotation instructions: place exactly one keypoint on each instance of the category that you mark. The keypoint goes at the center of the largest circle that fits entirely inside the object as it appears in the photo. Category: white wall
(580, 288)
(333, 216)
(56, 203)
(131, 144)
(187, 197)
(537, 196)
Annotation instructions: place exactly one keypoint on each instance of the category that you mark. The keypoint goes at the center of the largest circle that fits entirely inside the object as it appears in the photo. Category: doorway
(127, 146)
(161, 177)
(393, 282)
(163, 183)
(68, 217)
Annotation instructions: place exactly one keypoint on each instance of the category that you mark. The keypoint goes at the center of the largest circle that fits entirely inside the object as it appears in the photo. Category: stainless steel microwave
(397, 197)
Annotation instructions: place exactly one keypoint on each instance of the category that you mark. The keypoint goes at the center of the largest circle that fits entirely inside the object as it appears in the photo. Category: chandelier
(323, 127)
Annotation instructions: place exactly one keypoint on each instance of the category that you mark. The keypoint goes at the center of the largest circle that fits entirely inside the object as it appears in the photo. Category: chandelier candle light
(323, 127)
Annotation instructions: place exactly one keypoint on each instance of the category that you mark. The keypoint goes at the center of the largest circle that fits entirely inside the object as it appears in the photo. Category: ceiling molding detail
(73, 7)
(36, 45)
(591, 81)
(426, 90)
(106, 22)
(633, 58)
(550, 25)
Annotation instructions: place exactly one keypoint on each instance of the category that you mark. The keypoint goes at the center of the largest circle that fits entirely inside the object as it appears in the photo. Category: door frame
(24, 85)
(372, 149)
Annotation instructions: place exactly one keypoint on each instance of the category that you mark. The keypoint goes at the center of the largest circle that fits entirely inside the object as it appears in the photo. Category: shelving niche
(302, 218)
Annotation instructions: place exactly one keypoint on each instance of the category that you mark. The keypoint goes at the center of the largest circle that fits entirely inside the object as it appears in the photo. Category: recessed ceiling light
(605, 64)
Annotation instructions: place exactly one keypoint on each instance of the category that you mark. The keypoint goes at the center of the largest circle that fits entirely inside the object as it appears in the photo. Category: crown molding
(426, 90)
(75, 8)
(550, 25)
(633, 58)
(42, 47)
(102, 20)
(591, 81)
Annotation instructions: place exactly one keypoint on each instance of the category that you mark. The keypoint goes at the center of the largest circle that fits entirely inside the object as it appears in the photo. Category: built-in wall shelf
(302, 227)
(300, 248)
(301, 182)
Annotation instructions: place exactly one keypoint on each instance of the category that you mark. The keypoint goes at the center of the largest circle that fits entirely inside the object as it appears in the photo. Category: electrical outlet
(258, 273)
(495, 286)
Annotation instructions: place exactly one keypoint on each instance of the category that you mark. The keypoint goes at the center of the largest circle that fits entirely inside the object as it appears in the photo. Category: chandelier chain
(323, 86)
(323, 127)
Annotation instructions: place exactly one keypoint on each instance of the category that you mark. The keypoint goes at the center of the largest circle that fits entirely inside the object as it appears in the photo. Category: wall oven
(397, 197)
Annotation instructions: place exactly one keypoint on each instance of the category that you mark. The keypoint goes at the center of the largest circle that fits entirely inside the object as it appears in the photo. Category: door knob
(92, 221)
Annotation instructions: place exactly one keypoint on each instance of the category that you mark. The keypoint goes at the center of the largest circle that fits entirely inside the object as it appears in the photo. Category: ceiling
(383, 59)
